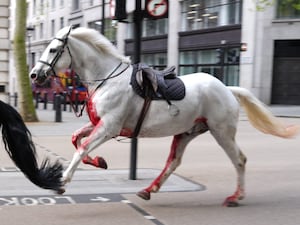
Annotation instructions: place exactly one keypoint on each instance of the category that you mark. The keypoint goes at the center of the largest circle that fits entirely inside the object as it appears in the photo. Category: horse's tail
(21, 149)
(260, 117)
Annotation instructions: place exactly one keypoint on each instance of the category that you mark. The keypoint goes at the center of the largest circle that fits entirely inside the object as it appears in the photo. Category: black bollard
(37, 97)
(16, 99)
(57, 103)
(45, 100)
(76, 101)
(65, 100)
(70, 103)
(54, 94)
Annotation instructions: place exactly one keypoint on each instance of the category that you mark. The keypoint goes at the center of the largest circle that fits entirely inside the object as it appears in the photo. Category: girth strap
(146, 106)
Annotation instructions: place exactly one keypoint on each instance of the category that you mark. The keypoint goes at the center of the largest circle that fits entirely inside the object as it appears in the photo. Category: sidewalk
(285, 111)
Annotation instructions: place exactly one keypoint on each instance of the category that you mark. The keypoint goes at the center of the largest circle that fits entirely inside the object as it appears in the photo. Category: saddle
(155, 84)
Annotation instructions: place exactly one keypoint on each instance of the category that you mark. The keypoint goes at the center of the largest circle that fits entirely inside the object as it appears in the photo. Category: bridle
(59, 53)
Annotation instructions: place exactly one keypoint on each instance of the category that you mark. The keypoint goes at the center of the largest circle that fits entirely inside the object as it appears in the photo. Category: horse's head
(56, 56)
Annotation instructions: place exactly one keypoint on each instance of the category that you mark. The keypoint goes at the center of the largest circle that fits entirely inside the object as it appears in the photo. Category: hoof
(98, 162)
(144, 195)
(101, 162)
(60, 191)
(231, 204)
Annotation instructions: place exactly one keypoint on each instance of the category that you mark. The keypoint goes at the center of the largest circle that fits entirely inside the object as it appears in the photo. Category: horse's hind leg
(178, 146)
(226, 139)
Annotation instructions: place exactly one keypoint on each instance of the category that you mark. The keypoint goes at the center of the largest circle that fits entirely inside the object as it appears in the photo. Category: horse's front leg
(97, 136)
(77, 136)
(81, 133)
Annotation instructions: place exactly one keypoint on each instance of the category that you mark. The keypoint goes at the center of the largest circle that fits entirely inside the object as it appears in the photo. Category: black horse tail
(21, 149)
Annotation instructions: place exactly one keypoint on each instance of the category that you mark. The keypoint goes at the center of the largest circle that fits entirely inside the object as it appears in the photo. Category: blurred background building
(4, 49)
(233, 40)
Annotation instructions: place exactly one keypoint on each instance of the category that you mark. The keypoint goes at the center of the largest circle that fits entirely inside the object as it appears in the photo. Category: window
(110, 31)
(150, 27)
(41, 30)
(61, 3)
(156, 61)
(202, 14)
(288, 9)
(53, 4)
(52, 28)
(62, 22)
(225, 68)
(95, 25)
(33, 33)
(154, 27)
(42, 7)
(34, 7)
(75, 5)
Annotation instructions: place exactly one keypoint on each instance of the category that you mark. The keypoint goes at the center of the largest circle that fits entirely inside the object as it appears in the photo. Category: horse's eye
(53, 50)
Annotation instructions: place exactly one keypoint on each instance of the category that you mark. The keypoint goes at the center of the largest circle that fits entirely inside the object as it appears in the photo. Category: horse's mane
(98, 41)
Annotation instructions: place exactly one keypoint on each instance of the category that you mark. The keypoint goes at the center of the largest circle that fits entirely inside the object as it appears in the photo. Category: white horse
(114, 107)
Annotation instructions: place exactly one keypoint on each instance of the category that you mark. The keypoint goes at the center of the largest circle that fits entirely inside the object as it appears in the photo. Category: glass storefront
(110, 28)
(157, 60)
(224, 67)
(154, 27)
(203, 14)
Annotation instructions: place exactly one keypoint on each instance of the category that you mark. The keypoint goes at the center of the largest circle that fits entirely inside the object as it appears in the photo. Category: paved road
(272, 182)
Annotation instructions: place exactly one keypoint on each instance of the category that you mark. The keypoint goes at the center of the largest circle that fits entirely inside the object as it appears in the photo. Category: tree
(26, 105)
(262, 4)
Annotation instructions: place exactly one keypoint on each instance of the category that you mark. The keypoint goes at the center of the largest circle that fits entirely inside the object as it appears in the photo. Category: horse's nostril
(33, 76)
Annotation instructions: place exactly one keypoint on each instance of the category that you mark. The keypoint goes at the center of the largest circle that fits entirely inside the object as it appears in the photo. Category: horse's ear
(69, 31)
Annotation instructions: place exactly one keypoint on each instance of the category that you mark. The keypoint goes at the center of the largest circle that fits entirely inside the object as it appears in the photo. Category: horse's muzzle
(33, 76)
(38, 76)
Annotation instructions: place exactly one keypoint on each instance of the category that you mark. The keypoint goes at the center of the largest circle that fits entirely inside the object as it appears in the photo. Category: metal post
(37, 97)
(54, 94)
(45, 100)
(57, 102)
(76, 101)
(16, 99)
(65, 100)
(103, 17)
(137, 58)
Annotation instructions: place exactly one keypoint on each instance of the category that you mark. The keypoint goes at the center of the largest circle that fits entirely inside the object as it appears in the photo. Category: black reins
(102, 81)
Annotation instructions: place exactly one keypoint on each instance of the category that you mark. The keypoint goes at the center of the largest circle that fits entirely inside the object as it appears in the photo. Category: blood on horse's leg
(156, 184)
(232, 201)
(239, 194)
(76, 140)
(178, 146)
(225, 136)
(177, 149)
(96, 162)
(81, 133)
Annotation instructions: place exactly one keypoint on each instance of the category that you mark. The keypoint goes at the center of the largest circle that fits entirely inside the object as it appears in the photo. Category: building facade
(4, 49)
(270, 66)
(230, 39)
